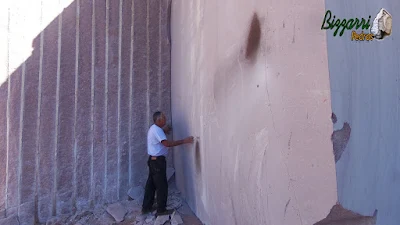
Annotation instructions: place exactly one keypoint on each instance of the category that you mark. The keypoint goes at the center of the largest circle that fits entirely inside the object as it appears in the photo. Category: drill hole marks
(382, 25)
(253, 38)
(198, 156)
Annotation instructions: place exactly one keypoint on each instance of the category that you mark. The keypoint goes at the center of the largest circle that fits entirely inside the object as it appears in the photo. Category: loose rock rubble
(176, 219)
(118, 211)
(127, 212)
(161, 220)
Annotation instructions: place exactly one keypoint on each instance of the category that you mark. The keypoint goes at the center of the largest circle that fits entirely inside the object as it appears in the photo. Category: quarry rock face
(77, 90)
(260, 107)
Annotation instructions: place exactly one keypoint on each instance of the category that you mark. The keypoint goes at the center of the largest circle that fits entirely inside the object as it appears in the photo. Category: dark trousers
(157, 181)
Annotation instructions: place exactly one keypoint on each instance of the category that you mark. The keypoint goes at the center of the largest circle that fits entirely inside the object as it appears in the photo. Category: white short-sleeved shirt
(154, 137)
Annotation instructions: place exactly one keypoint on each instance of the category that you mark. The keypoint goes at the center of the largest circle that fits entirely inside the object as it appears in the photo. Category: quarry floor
(130, 212)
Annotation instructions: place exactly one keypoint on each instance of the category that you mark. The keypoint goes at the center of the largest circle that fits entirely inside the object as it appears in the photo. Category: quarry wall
(79, 83)
(250, 81)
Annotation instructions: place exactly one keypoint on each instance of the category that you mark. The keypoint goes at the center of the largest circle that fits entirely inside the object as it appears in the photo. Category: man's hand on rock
(188, 140)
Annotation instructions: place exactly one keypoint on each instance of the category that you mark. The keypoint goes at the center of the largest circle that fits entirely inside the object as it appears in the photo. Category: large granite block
(139, 115)
(99, 128)
(14, 137)
(65, 160)
(29, 127)
(125, 100)
(112, 102)
(154, 75)
(83, 134)
(48, 119)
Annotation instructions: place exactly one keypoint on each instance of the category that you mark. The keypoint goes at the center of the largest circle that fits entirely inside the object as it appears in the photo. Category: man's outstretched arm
(168, 144)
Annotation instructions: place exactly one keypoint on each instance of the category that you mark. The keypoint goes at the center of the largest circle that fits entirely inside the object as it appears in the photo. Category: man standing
(157, 145)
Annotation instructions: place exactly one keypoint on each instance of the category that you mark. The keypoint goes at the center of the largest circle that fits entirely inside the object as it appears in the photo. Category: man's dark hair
(156, 115)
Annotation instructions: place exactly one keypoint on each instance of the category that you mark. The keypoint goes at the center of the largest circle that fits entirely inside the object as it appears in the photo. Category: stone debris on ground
(174, 202)
(140, 218)
(161, 220)
(118, 211)
(176, 219)
(10, 221)
(126, 212)
(150, 218)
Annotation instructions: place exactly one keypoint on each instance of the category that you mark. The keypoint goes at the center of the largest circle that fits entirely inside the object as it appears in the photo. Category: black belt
(155, 157)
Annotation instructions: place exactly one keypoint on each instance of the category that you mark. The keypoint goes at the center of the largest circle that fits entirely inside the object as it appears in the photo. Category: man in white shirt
(157, 149)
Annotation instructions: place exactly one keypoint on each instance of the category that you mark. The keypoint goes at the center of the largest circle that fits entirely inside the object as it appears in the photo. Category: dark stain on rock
(290, 140)
(198, 157)
(339, 139)
(333, 118)
(341, 216)
(287, 204)
(253, 39)
(283, 24)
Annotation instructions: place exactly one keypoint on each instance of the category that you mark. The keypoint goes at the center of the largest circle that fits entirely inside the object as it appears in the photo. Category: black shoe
(166, 212)
(146, 211)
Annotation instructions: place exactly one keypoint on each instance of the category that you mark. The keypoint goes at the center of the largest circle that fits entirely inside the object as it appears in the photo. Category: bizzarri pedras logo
(362, 29)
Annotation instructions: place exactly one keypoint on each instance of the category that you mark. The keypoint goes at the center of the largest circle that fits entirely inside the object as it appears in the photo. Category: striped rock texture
(79, 82)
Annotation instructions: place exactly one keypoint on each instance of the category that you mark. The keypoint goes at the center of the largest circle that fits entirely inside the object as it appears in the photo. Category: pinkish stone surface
(264, 154)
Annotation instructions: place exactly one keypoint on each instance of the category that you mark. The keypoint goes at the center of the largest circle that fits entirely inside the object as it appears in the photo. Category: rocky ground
(129, 212)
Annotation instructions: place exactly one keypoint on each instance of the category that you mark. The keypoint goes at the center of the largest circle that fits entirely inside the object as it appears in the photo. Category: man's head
(159, 119)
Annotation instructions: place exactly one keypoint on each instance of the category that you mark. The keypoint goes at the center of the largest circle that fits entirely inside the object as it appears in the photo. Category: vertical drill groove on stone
(15, 83)
(21, 124)
(159, 58)
(106, 101)
(119, 97)
(99, 95)
(147, 65)
(112, 132)
(131, 92)
(125, 53)
(55, 168)
(38, 120)
(154, 56)
(92, 184)
(48, 117)
(83, 122)
(8, 110)
(75, 163)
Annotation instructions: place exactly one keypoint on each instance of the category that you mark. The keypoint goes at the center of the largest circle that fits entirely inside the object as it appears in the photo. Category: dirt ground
(130, 211)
